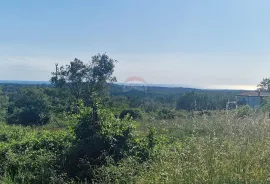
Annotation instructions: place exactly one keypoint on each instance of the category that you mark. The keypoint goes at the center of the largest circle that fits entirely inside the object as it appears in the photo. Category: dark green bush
(166, 114)
(109, 137)
(135, 114)
(29, 107)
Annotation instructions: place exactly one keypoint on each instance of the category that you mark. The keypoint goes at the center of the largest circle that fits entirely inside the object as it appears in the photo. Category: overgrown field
(220, 148)
(79, 130)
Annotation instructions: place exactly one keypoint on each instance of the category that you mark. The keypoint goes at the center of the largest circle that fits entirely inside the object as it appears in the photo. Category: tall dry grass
(218, 149)
(221, 148)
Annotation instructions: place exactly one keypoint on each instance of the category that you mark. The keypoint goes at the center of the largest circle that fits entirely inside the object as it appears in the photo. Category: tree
(85, 80)
(29, 107)
(265, 84)
(101, 71)
(188, 101)
(71, 76)
(3, 106)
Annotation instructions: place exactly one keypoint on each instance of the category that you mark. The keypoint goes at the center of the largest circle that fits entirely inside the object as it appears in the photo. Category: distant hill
(118, 87)
(177, 88)
(23, 82)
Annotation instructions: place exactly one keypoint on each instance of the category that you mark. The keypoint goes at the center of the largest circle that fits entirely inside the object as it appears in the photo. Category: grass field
(217, 149)
(220, 148)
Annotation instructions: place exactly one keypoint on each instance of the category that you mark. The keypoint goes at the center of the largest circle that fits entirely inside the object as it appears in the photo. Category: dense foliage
(29, 107)
(135, 114)
(3, 106)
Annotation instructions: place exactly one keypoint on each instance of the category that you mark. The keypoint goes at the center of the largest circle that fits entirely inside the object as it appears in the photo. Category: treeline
(55, 101)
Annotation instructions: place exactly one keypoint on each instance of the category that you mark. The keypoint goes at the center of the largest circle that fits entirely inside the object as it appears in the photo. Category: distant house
(252, 98)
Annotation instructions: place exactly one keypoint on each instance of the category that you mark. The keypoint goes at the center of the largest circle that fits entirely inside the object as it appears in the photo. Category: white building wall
(252, 101)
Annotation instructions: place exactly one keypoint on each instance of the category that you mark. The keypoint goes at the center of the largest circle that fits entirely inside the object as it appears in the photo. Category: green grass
(217, 149)
(220, 148)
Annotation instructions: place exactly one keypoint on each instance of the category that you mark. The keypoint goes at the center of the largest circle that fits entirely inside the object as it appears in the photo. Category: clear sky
(210, 43)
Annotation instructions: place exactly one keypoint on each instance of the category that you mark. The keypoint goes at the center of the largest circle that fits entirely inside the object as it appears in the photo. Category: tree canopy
(264, 85)
(82, 80)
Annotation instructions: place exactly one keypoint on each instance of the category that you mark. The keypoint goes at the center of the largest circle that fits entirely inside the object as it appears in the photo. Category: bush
(182, 114)
(28, 156)
(266, 105)
(205, 113)
(135, 114)
(166, 114)
(108, 138)
(29, 107)
(243, 111)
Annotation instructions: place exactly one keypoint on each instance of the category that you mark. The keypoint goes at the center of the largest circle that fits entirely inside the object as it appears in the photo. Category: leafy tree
(187, 101)
(61, 100)
(84, 79)
(3, 106)
(29, 107)
(203, 101)
(265, 84)
(71, 76)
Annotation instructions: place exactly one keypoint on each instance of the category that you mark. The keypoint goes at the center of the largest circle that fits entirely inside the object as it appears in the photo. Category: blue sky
(209, 44)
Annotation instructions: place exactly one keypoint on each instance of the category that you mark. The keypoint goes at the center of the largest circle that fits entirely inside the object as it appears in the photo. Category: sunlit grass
(221, 148)
(217, 149)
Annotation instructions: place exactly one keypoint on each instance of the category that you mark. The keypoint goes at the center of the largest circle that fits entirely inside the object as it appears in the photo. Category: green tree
(3, 106)
(86, 81)
(187, 101)
(71, 76)
(29, 107)
(265, 84)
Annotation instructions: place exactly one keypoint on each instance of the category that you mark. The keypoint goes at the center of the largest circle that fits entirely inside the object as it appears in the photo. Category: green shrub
(205, 113)
(136, 114)
(266, 105)
(243, 111)
(28, 156)
(181, 114)
(166, 114)
(29, 107)
(109, 137)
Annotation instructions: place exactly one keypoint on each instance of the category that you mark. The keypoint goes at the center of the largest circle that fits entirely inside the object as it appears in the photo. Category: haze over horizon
(210, 44)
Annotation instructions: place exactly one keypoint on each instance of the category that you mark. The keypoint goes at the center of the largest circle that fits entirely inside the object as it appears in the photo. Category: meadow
(224, 147)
